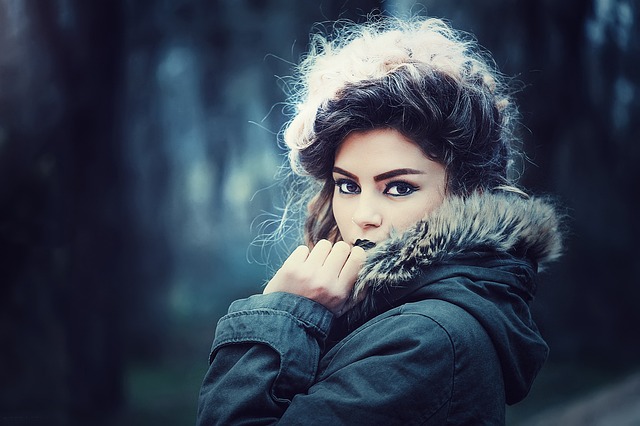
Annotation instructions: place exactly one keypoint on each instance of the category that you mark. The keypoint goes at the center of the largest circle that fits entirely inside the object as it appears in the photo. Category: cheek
(405, 218)
(341, 214)
(412, 213)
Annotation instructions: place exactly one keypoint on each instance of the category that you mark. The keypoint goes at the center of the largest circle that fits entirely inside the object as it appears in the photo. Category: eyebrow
(382, 176)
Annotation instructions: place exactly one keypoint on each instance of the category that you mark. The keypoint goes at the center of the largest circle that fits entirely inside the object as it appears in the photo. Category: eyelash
(340, 182)
(399, 183)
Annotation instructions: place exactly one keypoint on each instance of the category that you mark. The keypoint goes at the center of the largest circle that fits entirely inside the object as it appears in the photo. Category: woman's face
(383, 182)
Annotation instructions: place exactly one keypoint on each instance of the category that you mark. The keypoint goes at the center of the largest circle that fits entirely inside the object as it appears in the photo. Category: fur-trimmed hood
(505, 223)
(480, 253)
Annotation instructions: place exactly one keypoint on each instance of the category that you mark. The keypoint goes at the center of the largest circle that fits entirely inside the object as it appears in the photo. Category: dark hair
(419, 77)
(458, 126)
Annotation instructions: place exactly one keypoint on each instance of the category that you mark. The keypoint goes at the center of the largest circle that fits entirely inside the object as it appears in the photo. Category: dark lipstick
(365, 244)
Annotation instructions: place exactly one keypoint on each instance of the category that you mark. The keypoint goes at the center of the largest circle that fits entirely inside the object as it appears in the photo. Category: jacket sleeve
(265, 351)
(397, 369)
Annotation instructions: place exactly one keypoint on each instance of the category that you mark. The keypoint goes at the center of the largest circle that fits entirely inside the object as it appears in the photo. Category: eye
(347, 186)
(400, 189)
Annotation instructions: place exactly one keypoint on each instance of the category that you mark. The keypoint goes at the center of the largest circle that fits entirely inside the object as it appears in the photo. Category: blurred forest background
(138, 145)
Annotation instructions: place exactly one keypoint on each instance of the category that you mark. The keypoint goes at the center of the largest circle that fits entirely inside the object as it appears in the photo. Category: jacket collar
(503, 223)
(494, 240)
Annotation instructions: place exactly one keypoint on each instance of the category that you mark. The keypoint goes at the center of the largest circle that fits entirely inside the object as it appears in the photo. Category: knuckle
(319, 282)
(342, 246)
(323, 244)
(298, 275)
(292, 273)
(358, 253)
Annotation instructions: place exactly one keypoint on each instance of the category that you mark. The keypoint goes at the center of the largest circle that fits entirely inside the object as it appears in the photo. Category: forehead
(381, 149)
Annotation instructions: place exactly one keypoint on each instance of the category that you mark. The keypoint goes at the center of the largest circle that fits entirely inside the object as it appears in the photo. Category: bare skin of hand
(325, 274)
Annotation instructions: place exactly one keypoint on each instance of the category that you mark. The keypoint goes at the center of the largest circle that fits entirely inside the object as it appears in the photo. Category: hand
(326, 275)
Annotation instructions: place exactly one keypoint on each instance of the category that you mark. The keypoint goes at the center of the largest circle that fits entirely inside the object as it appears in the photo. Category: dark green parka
(444, 336)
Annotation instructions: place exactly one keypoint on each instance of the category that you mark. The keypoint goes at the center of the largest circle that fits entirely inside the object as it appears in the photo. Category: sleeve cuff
(293, 326)
(314, 317)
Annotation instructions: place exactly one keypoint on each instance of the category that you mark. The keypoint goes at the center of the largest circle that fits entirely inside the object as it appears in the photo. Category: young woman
(404, 131)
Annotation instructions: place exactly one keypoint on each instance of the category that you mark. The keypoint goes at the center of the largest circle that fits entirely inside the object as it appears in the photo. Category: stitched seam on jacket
(453, 369)
(269, 312)
(306, 374)
(400, 312)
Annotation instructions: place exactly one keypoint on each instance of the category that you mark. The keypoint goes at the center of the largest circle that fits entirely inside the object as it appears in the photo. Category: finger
(298, 256)
(352, 266)
(349, 277)
(336, 259)
(319, 254)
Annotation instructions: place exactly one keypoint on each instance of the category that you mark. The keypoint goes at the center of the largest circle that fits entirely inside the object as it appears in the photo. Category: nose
(366, 215)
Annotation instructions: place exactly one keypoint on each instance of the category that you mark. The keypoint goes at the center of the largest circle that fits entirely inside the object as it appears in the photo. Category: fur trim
(500, 222)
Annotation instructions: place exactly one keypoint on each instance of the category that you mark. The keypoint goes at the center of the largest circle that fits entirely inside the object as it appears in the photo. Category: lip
(365, 244)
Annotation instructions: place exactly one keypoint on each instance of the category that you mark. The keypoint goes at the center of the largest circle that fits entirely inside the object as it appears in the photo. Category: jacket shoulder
(463, 329)
(397, 366)
(478, 393)
(433, 355)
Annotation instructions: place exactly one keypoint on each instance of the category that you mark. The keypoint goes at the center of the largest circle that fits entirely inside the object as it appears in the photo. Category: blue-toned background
(139, 156)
